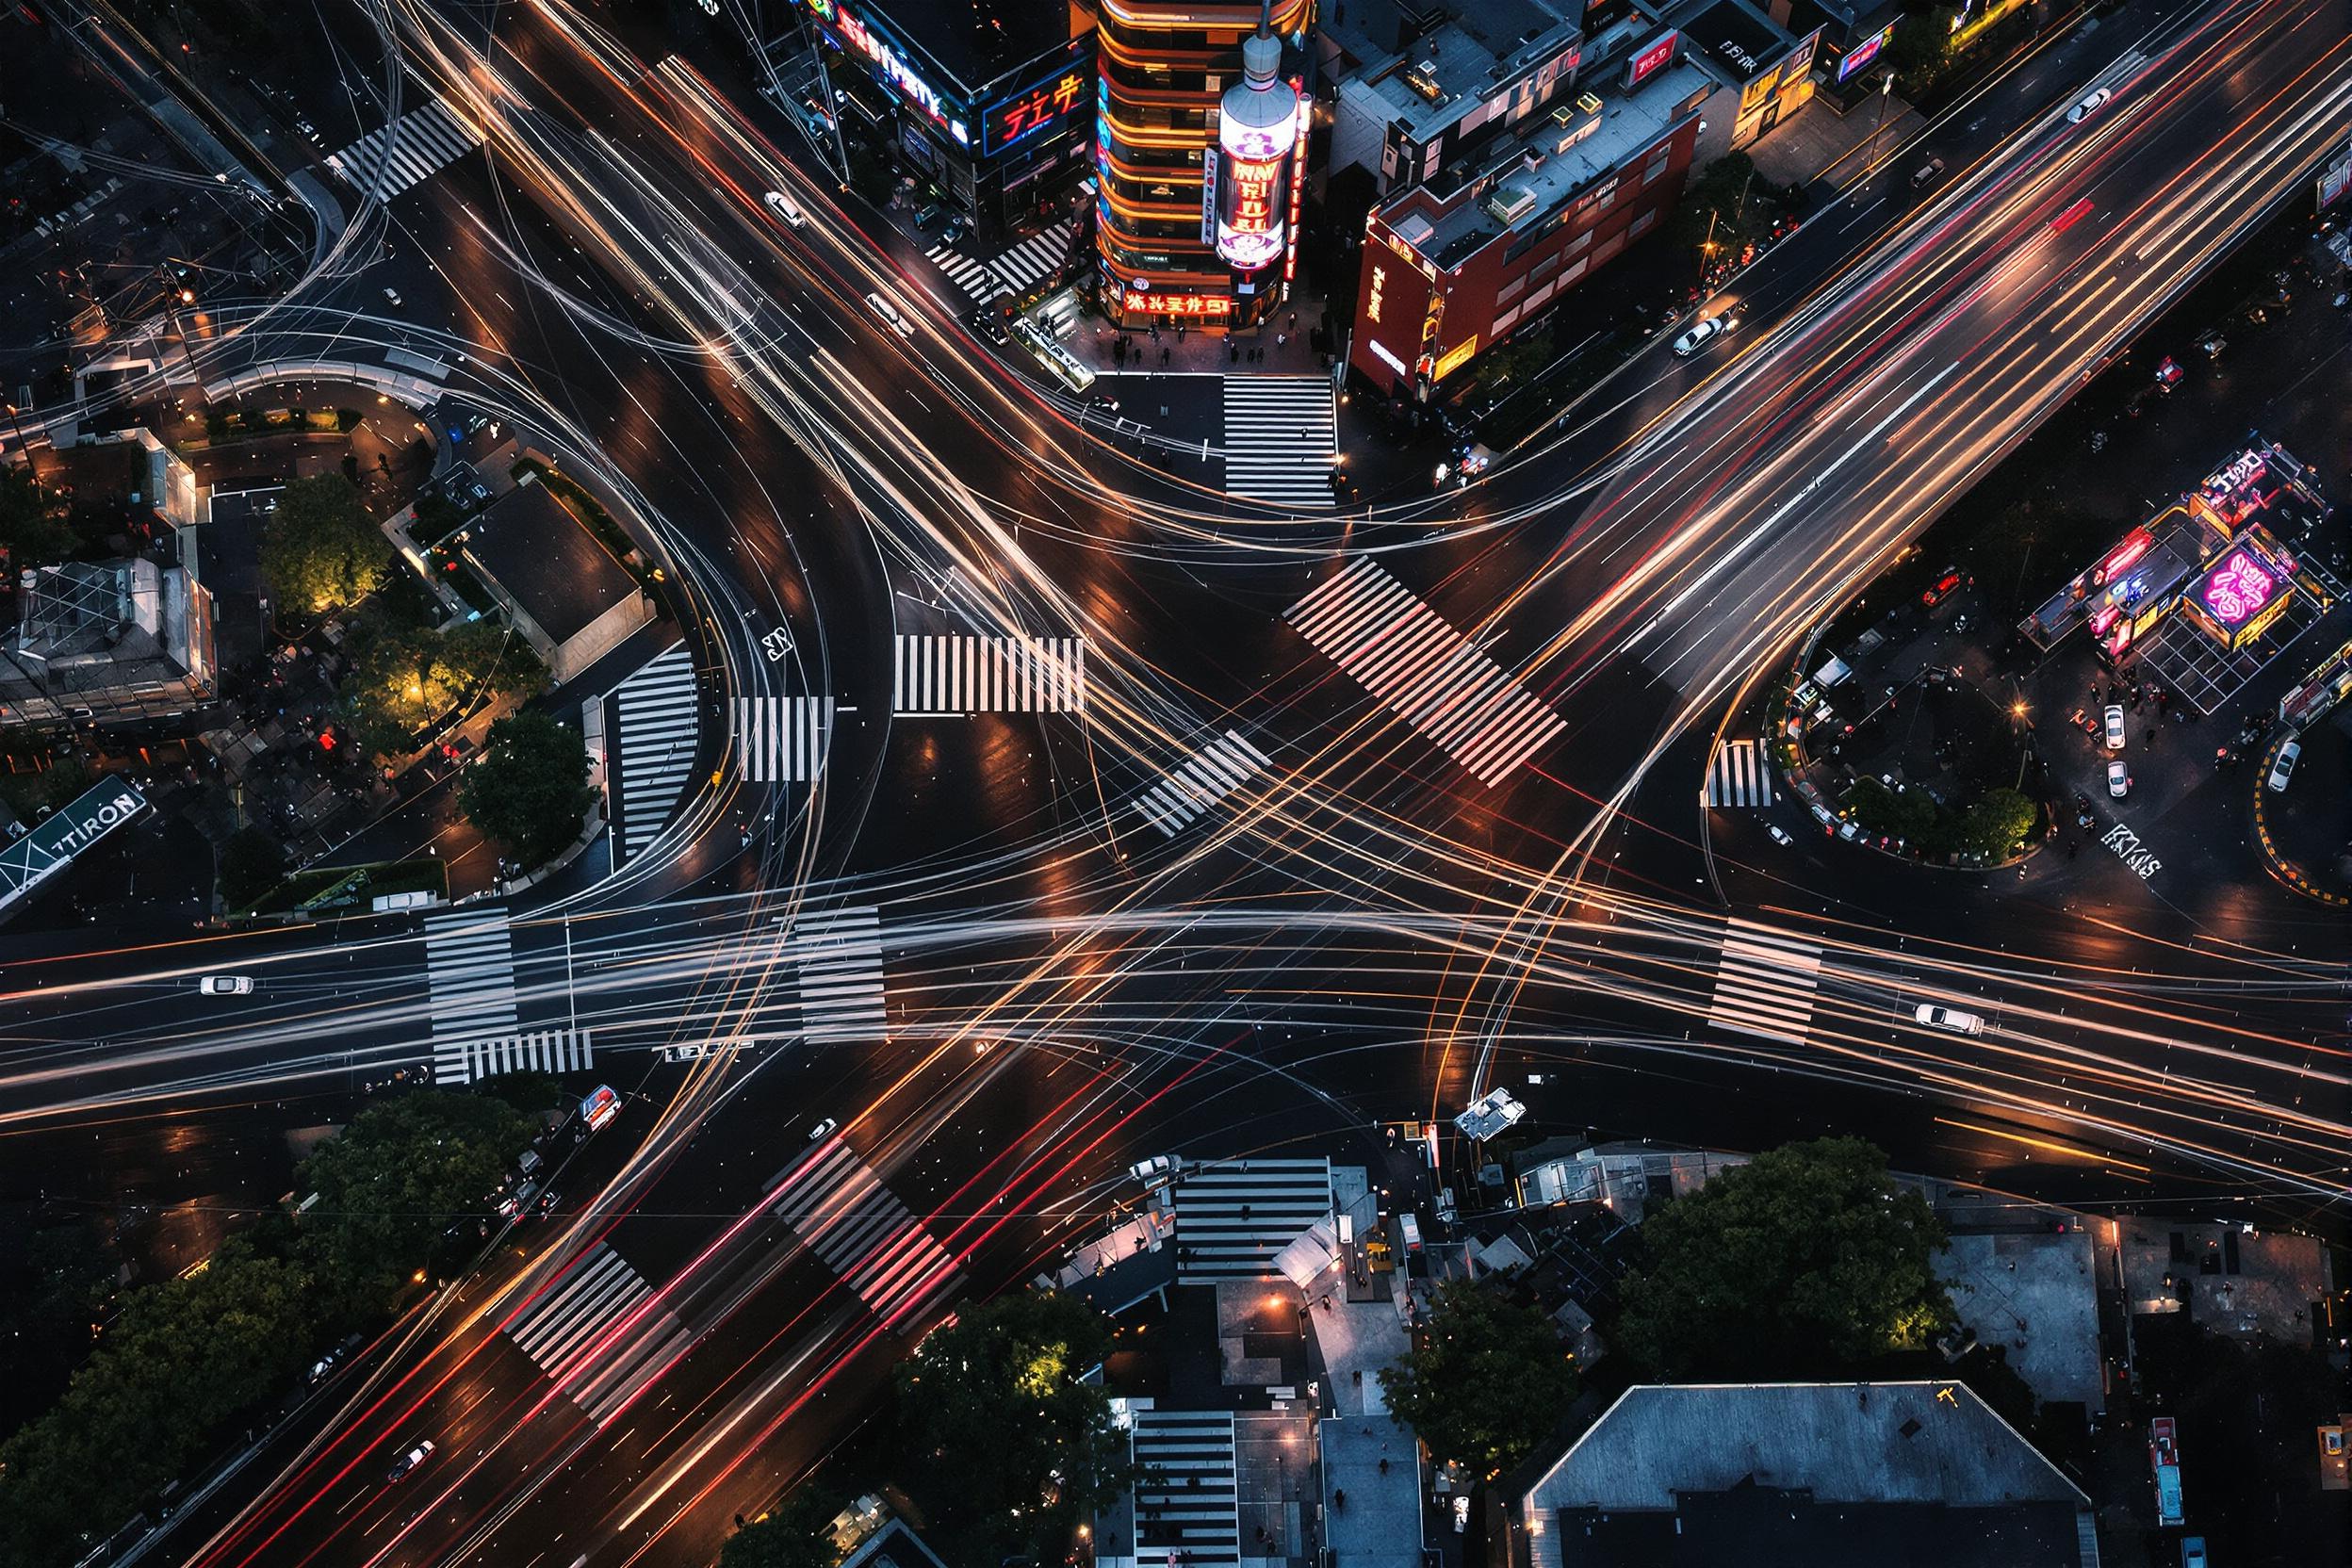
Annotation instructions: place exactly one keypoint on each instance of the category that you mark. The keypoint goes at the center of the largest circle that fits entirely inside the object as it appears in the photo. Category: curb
(2275, 859)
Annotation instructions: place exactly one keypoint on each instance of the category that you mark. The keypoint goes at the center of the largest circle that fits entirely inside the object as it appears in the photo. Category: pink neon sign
(2237, 590)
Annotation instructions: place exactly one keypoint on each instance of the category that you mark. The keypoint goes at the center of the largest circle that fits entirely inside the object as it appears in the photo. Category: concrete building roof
(974, 41)
(2035, 1294)
(1430, 80)
(547, 562)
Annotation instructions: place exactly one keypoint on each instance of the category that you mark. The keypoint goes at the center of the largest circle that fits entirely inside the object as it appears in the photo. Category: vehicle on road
(1157, 1171)
(2168, 372)
(2115, 725)
(928, 216)
(410, 1461)
(2211, 344)
(225, 985)
(2193, 1552)
(988, 322)
(825, 1129)
(2089, 105)
(784, 207)
(1705, 331)
(599, 1108)
(2119, 780)
(1778, 835)
(891, 317)
(1930, 171)
(1951, 1018)
(2282, 770)
(392, 296)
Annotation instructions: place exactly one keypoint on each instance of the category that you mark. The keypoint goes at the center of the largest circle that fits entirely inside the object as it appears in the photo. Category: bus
(1066, 368)
(2163, 1457)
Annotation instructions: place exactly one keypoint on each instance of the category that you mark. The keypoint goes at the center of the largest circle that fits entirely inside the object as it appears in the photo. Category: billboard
(2335, 178)
(1863, 53)
(30, 858)
(1041, 106)
(1253, 191)
(1651, 57)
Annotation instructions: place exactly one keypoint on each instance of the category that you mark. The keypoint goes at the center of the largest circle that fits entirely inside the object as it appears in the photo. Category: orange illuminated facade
(1164, 65)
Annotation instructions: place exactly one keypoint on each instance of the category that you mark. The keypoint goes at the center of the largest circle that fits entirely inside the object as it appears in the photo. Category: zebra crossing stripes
(1399, 649)
(988, 675)
(551, 1051)
(782, 740)
(972, 276)
(414, 147)
(1766, 984)
(469, 988)
(1213, 772)
(872, 1241)
(598, 1335)
(840, 959)
(1014, 270)
(1232, 1219)
(1186, 1497)
(660, 716)
(1739, 776)
(1280, 436)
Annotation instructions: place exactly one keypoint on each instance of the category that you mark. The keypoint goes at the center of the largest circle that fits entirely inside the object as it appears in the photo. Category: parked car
(1951, 1018)
(410, 1461)
(1703, 331)
(2114, 726)
(2089, 105)
(2283, 769)
(2211, 344)
(1157, 1171)
(1778, 835)
(1930, 171)
(225, 985)
(929, 216)
(2119, 780)
(392, 296)
(785, 208)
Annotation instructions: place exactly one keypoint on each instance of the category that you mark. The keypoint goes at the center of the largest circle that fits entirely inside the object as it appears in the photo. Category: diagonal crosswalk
(469, 989)
(1739, 776)
(871, 1240)
(1400, 650)
(988, 675)
(839, 956)
(659, 720)
(413, 147)
(598, 1333)
(1211, 774)
(1233, 1218)
(1766, 982)
(1187, 1496)
(782, 740)
(1280, 436)
(1016, 270)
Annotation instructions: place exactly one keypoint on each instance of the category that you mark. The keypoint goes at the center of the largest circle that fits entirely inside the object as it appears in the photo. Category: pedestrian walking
(1280, 340)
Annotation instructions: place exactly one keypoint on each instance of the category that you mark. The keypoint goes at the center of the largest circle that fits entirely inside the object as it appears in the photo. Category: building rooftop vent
(1509, 201)
(1422, 78)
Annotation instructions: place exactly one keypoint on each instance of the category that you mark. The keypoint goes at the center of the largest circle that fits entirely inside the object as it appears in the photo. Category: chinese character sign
(2237, 590)
(1021, 115)
(1195, 306)
(1254, 175)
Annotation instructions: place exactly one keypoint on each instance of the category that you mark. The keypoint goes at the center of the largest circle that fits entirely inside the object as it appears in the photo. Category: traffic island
(2299, 819)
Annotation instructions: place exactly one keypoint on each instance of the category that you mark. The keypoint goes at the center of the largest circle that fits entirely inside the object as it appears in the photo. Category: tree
(1809, 1261)
(528, 788)
(320, 549)
(252, 863)
(1485, 1381)
(1906, 814)
(1919, 52)
(400, 1173)
(1995, 822)
(402, 677)
(791, 1537)
(993, 1419)
(1725, 205)
(33, 530)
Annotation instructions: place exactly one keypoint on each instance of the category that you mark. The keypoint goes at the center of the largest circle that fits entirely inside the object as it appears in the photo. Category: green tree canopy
(33, 527)
(792, 1536)
(1485, 1381)
(1906, 813)
(1726, 204)
(320, 549)
(528, 788)
(402, 677)
(400, 1172)
(1809, 1261)
(1995, 822)
(992, 1419)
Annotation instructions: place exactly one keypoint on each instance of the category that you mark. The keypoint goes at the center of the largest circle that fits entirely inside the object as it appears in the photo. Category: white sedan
(2119, 780)
(891, 316)
(2114, 726)
(1705, 331)
(784, 207)
(2091, 103)
(2283, 769)
(225, 985)
(1951, 1018)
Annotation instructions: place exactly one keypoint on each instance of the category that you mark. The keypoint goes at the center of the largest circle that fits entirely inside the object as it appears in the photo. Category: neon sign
(1146, 303)
(854, 34)
(2237, 589)
(1865, 52)
(1023, 114)
(1251, 203)
(2248, 467)
(1648, 60)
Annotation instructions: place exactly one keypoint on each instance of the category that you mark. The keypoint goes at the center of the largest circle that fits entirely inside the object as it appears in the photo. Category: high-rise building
(1199, 131)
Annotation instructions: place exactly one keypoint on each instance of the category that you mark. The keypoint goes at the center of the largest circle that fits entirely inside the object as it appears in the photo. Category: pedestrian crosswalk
(469, 989)
(598, 1334)
(1016, 271)
(869, 1239)
(1400, 650)
(414, 147)
(1739, 776)
(1187, 1503)
(1213, 772)
(1233, 1218)
(839, 956)
(782, 740)
(549, 1051)
(1280, 436)
(1766, 982)
(659, 715)
(988, 675)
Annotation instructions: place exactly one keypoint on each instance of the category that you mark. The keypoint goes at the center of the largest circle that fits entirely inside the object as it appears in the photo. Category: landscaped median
(325, 890)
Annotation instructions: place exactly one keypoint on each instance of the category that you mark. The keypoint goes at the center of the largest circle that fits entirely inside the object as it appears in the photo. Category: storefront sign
(1651, 59)
(51, 845)
(1254, 168)
(855, 37)
(1191, 306)
(1372, 305)
(1379, 352)
(1865, 52)
(1456, 357)
(2235, 592)
(1039, 106)
(2247, 468)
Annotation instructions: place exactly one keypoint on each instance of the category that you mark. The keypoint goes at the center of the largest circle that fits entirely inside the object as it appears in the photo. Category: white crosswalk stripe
(1232, 1217)
(551, 1051)
(1740, 775)
(973, 277)
(414, 147)
(659, 720)
(840, 959)
(988, 675)
(1023, 266)
(1280, 436)
(598, 1336)
(1766, 982)
(469, 988)
(869, 1239)
(782, 740)
(1403, 653)
(1187, 1497)
(1213, 772)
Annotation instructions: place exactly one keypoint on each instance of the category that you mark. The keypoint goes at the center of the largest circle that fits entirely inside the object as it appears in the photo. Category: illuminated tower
(1198, 139)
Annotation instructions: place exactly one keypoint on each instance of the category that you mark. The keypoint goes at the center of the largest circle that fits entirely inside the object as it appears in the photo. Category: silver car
(1703, 331)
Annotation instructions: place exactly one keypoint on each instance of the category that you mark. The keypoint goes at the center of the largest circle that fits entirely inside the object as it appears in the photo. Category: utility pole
(1885, 90)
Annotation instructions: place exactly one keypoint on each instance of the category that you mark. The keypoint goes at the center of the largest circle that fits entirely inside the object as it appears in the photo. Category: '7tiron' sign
(2125, 844)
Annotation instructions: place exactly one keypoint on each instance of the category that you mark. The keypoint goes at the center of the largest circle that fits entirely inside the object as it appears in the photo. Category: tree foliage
(791, 1537)
(1809, 1261)
(320, 549)
(402, 677)
(1485, 1381)
(1724, 204)
(400, 1172)
(1008, 1451)
(1995, 822)
(528, 788)
(33, 527)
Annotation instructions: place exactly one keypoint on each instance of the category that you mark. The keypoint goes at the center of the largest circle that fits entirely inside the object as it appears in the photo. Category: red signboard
(1648, 59)
(1194, 306)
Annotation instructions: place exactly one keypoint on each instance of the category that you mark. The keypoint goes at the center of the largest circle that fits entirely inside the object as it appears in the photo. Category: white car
(2092, 101)
(1779, 836)
(1157, 1171)
(410, 1461)
(825, 1129)
(1703, 331)
(2119, 780)
(392, 296)
(1951, 1018)
(890, 315)
(2114, 726)
(225, 985)
(2283, 769)
(782, 206)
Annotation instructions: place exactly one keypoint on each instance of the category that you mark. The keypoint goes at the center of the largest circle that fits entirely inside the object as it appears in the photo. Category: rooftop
(1430, 80)
(1740, 40)
(976, 42)
(547, 561)
(2034, 1294)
